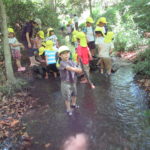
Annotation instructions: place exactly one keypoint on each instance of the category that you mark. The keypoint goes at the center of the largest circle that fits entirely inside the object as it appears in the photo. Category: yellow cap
(41, 34)
(49, 45)
(70, 22)
(43, 44)
(11, 30)
(90, 20)
(102, 19)
(108, 38)
(48, 30)
(74, 32)
(100, 29)
(41, 50)
(82, 37)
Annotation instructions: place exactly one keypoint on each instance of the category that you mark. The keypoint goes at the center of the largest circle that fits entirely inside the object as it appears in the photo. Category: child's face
(65, 56)
(52, 33)
(78, 40)
(101, 24)
(10, 35)
(98, 35)
(88, 24)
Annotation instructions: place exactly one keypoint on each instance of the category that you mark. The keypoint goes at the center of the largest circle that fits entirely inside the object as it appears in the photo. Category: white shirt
(53, 38)
(99, 40)
(76, 19)
(13, 41)
(89, 34)
(104, 48)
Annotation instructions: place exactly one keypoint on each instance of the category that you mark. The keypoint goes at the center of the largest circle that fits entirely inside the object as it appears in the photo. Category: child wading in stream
(105, 48)
(84, 57)
(68, 70)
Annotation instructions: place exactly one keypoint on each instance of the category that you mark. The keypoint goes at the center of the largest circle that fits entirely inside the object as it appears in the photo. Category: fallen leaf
(14, 123)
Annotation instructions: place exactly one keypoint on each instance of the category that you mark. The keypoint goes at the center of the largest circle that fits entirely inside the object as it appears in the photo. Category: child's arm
(28, 39)
(57, 44)
(74, 69)
(46, 59)
(17, 44)
(90, 55)
(111, 50)
(99, 48)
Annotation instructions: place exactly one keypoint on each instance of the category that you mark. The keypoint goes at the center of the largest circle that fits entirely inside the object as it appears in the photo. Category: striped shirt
(50, 54)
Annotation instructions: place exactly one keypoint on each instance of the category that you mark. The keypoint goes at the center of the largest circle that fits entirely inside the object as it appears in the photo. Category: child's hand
(78, 70)
(91, 58)
(29, 45)
(22, 46)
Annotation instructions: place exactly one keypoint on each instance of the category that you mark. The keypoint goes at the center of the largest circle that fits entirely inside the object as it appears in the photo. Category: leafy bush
(123, 20)
(142, 65)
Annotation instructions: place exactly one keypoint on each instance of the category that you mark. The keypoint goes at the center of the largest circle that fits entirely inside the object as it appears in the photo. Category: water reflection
(76, 142)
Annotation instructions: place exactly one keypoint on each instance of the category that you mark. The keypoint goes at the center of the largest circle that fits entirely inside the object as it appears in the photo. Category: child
(15, 49)
(84, 55)
(50, 56)
(90, 35)
(37, 43)
(68, 77)
(51, 36)
(105, 47)
(102, 23)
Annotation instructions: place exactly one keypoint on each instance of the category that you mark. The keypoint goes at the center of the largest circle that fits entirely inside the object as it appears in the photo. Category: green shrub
(127, 20)
(142, 65)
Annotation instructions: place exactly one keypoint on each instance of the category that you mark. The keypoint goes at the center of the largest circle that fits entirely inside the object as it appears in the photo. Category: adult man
(27, 35)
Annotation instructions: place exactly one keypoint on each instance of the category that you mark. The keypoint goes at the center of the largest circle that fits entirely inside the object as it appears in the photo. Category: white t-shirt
(53, 38)
(104, 48)
(76, 19)
(99, 40)
(89, 34)
(13, 41)
(69, 29)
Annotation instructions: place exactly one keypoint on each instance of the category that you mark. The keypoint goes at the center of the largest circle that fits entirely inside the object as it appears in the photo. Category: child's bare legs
(18, 63)
(68, 107)
(33, 61)
(73, 103)
(109, 71)
(46, 76)
(102, 65)
(109, 66)
(92, 52)
(73, 100)
(55, 74)
(102, 71)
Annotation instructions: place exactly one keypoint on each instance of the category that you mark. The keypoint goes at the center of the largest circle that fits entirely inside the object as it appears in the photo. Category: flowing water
(110, 117)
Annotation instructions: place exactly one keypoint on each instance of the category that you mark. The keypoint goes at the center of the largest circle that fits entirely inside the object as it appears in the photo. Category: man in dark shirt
(27, 35)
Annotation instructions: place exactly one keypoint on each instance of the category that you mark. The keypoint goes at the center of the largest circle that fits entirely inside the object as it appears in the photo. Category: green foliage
(141, 10)
(48, 16)
(142, 65)
(19, 11)
(123, 21)
(9, 88)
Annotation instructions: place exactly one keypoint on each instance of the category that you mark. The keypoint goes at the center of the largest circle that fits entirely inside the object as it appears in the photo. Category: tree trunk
(90, 6)
(7, 55)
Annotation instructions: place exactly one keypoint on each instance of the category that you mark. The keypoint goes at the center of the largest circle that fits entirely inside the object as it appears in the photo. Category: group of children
(58, 59)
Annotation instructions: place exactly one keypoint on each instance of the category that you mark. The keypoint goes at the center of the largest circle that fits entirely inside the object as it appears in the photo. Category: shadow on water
(111, 115)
